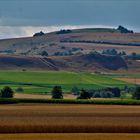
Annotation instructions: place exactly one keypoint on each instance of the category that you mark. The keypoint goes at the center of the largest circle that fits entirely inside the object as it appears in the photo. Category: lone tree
(84, 95)
(44, 53)
(136, 94)
(38, 34)
(57, 92)
(7, 92)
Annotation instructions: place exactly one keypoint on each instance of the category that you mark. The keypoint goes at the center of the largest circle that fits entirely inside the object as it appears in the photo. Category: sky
(25, 17)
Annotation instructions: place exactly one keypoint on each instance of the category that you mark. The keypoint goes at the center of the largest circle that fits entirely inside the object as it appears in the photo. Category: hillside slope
(82, 39)
(72, 50)
(90, 62)
(8, 62)
(87, 62)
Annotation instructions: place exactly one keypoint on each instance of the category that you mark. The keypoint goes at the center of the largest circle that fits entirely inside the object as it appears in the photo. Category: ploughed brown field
(69, 122)
(130, 80)
(54, 118)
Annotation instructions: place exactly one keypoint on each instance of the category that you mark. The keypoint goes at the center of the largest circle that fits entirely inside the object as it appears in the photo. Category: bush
(19, 89)
(44, 53)
(102, 94)
(57, 92)
(115, 91)
(84, 95)
(7, 92)
(38, 34)
(75, 90)
(64, 31)
(106, 94)
(136, 94)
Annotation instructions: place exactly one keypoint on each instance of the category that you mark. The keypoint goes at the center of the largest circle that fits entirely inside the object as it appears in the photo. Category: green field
(42, 82)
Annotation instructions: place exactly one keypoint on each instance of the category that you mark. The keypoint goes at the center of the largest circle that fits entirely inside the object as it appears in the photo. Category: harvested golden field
(130, 80)
(58, 118)
(81, 136)
(39, 96)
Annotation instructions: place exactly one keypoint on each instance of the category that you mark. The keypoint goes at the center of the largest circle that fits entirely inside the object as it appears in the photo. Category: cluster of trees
(39, 34)
(99, 93)
(105, 93)
(65, 53)
(8, 51)
(64, 31)
(57, 92)
(133, 56)
(124, 30)
(7, 92)
(113, 52)
(44, 53)
(136, 94)
(128, 89)
(68, 52)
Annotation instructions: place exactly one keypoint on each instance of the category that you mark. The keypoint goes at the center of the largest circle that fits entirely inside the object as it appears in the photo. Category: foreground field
(43, 82)
(54, 118)
(82, 136)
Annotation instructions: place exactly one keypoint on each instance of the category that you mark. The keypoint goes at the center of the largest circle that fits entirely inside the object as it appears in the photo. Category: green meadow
(42, 82)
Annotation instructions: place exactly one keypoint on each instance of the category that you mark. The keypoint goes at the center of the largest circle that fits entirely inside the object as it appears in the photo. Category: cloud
(26, 31)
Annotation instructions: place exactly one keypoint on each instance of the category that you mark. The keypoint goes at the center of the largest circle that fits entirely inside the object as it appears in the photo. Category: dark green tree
(38, 34)
(75, 90)
(57, 92)
(115, 91)
(84, 95)
(19, 89)
(44, 53)
(136, 94)
(124, 30)
(7, 92)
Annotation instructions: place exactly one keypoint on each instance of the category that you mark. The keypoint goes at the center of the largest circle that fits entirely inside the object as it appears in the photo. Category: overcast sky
(24, 17)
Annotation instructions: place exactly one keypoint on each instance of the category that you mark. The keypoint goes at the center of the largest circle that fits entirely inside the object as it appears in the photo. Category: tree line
(57, 92)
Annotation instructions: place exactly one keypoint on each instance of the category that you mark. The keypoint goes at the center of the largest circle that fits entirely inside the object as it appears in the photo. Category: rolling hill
(86, 62)
(26, 53)
(82, 39)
